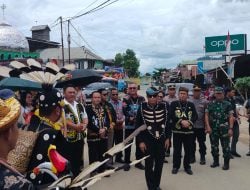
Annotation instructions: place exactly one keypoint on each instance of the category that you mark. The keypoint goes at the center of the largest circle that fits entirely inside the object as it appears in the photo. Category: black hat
(171, 86)
(196, 88)
(183, 89)
(151, 91)
(50, 98)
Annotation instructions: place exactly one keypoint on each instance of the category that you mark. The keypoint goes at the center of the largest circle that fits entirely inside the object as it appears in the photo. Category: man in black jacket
(155, 138)
(183, 114)
(131, 102)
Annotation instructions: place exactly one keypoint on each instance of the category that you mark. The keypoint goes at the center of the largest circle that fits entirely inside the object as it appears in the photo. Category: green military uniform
(219, 113)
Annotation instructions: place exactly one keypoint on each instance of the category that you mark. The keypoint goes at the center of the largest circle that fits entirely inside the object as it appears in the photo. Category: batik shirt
(97, 119)
(75, 114)
(10, 179)
(182, 111)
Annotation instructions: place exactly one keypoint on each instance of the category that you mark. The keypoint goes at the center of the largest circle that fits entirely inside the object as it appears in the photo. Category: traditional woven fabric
(20, 156)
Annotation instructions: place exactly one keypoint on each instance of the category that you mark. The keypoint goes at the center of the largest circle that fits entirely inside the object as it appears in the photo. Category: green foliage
(243, 85)
(118, 59)
(157, 72)
(129, 62)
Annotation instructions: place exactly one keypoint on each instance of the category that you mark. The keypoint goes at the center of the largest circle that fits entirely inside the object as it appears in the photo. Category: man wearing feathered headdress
(48, 119)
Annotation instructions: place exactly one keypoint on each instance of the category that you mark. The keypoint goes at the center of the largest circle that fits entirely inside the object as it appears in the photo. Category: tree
(129, 62)
(243, 85)
(118, 59)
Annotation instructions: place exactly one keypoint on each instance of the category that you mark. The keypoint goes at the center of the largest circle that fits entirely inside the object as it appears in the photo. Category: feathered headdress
(34, 71)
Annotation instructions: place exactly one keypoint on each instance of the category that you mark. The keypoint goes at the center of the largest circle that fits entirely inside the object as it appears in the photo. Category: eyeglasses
(152, 96)
(114, 94)
(132, 88)
(160, 96)
(105, 94)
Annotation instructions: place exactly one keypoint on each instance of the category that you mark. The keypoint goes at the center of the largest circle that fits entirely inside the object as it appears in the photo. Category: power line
(87, 7)
(82, 37)
(88, 12)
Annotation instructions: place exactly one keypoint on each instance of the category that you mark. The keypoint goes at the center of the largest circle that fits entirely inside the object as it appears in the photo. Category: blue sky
(161, 32)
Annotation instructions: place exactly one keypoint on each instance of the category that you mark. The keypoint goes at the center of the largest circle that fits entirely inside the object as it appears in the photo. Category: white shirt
(74, 109)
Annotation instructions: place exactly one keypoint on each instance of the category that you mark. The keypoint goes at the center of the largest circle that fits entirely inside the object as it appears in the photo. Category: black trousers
(200, 135)
(118, 138)
(154, 164)
(178, 140)
(235, 137)
(96, 151)
(138, 152)
(73, 152)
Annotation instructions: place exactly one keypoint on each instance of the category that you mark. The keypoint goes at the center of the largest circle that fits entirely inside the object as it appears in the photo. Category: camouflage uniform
(219, 112)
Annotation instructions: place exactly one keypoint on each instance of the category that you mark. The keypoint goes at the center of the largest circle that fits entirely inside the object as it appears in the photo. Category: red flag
(228, 44)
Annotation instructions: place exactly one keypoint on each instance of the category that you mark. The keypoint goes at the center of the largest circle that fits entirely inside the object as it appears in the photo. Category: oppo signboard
(216, 45)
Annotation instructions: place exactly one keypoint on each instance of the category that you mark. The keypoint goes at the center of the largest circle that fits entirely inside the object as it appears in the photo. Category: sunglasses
(114, 94)
(132, 88)
(152, 96)
(160, 96)
(105, 94)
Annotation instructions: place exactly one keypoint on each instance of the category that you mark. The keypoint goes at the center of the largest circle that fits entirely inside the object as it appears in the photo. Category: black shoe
(174, 171)
(236, 154)
(140, 166)
(202, 160)
(231, 156)
(248, 154)
(109, 167)
(226, 164)
(192, 160)
(127, 161)
(215, 164)
(189, 171)
(167, 154)
(120, 161)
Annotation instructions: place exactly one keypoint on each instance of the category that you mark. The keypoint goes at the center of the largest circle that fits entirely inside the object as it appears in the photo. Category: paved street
(204, 178)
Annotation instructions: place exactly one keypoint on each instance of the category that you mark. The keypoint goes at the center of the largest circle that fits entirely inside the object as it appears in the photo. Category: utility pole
(62, 40)
(69, 40)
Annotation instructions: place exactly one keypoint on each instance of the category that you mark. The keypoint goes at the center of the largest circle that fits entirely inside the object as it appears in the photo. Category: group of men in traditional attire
(65, 123)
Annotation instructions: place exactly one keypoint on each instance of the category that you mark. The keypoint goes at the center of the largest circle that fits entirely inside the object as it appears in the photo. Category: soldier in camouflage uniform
(219, 124)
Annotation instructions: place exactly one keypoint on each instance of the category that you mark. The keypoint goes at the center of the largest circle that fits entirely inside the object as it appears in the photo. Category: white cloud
(162, 33)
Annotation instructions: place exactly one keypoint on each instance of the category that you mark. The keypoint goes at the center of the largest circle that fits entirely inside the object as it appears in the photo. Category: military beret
(218, 90)
(151, 91)
(171, 86)
(196, 87)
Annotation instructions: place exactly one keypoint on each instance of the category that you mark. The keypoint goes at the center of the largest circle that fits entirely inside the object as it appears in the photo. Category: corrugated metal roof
(39, 27)
(75, 53)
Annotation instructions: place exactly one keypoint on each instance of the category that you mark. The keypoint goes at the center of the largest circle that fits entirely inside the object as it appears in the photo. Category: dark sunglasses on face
(160, 96)
(114, 94)
(152, 96)
(132, 88)
(105, 94)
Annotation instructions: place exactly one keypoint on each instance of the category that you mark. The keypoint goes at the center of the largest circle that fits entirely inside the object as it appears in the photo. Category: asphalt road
(204, 177)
